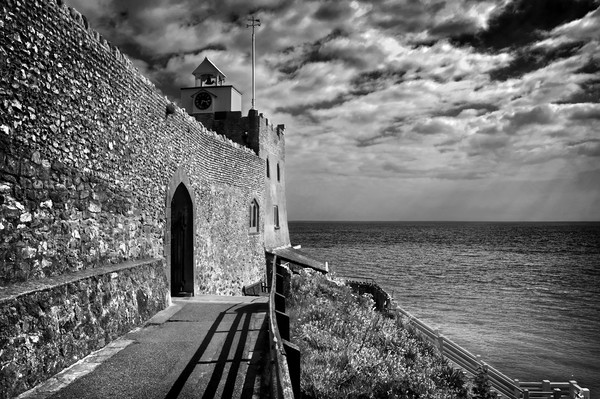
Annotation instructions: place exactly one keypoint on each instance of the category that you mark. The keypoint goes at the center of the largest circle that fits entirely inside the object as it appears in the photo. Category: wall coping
(14, 291)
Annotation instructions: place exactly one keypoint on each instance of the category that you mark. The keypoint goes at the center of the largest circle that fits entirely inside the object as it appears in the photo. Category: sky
(466, 110)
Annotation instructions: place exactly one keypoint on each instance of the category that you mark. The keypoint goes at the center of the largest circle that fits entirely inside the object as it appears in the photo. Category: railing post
(556, 393)
(546, 386)
(525, 393)
(572, 389)
(585, 392)
(440, 341)
(292, 353)
(516, 391)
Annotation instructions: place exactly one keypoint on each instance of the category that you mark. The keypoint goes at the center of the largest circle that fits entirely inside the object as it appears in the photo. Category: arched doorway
(182, 243)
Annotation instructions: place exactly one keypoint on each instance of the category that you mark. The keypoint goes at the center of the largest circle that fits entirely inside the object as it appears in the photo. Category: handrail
(503, 385)
(281, 383)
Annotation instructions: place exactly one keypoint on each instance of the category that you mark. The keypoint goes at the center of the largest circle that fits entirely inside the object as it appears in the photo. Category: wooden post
(586, 393)
(525, 393)
(556, 393)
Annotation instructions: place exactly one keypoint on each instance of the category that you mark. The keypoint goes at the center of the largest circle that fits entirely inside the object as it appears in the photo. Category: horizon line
(440, 221)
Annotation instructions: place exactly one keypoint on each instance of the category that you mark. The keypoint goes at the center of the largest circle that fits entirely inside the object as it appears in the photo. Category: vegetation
(349, 350)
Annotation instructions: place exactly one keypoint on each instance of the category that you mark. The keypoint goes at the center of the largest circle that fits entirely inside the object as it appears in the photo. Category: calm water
(524, 296)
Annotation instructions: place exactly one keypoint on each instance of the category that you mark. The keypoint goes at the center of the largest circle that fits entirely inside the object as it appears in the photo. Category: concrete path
(199, 347)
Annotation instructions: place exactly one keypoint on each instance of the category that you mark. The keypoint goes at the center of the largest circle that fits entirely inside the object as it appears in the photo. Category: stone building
(112, 199)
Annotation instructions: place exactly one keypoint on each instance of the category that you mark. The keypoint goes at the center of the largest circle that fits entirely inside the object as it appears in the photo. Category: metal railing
(503, 385)
(285, 356)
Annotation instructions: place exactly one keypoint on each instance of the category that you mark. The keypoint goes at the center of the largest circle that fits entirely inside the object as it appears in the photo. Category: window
(254, 212)
(278, 173)
(268, 169)
(276, 216)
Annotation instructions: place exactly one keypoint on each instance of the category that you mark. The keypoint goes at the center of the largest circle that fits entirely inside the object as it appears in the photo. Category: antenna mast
(253, 22)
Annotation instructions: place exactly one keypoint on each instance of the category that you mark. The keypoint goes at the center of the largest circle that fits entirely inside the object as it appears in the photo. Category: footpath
(199, 347)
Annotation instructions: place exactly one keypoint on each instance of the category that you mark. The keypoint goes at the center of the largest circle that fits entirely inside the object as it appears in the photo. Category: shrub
(349, 350)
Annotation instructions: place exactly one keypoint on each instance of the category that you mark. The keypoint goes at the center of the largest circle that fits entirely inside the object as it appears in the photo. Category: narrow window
(268, 169)
(276, 216)
(254, 212)
(278, 173)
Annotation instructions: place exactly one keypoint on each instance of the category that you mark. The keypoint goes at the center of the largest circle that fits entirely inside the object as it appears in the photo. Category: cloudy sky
(399, 109)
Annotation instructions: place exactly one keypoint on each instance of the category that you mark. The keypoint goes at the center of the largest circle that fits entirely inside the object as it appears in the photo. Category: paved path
(200, 347)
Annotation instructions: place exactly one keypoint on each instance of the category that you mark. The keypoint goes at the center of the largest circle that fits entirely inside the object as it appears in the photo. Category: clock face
(203, 100)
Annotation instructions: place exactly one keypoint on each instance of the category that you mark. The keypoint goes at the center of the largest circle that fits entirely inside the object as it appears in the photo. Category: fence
(503, 385)
(285, 356)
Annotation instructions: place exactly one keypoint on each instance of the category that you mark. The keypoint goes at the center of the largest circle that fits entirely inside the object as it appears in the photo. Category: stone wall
(272, 146)
(87, 150)
(89, 154)
(59, 320)
(268, 142)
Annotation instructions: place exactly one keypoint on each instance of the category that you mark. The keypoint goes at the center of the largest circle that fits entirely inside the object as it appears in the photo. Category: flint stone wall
(88, 148)
(59, 320)
(88, 151)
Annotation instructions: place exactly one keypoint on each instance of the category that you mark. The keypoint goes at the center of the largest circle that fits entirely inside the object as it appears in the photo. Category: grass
(349, 350)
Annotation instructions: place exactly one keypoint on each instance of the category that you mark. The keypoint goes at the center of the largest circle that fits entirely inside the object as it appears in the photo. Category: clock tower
(210, 98)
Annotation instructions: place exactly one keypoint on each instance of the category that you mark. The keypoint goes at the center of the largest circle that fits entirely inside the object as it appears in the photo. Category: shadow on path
(250, 340)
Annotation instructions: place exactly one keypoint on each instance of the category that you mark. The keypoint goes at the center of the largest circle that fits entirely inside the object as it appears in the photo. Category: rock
(35, 157)
(28, 252)
(95, 207)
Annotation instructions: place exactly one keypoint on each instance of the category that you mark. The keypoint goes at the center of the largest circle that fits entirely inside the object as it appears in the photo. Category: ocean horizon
(523, 295)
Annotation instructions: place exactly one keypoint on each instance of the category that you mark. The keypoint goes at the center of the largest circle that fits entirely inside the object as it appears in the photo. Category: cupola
(210, 95)
(207, 74)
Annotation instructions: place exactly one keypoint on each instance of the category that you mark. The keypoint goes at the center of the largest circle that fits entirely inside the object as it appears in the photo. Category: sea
(523, 296)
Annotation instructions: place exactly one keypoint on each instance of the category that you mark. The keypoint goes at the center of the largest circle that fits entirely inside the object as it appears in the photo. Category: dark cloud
(592, 66)
(301, 109)
(522, 22)
(589, 92)
(589, 150)
(394, 129)
(583, 114)
(541, 114)
(454, 27)
(333, 11)
(530, 59)
(308, 53)
(404, 16)
(479, 145)
(482, 108)
(375, 80)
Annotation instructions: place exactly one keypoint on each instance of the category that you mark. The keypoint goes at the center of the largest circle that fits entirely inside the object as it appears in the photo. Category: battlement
(264, 122)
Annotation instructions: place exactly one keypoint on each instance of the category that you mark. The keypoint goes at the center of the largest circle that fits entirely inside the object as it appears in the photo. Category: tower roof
(206, 67)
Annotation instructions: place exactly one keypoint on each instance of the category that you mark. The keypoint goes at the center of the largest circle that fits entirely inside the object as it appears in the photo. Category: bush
(351, 351)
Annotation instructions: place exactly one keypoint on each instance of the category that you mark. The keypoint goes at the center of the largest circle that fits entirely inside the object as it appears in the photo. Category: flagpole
(253, 22)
